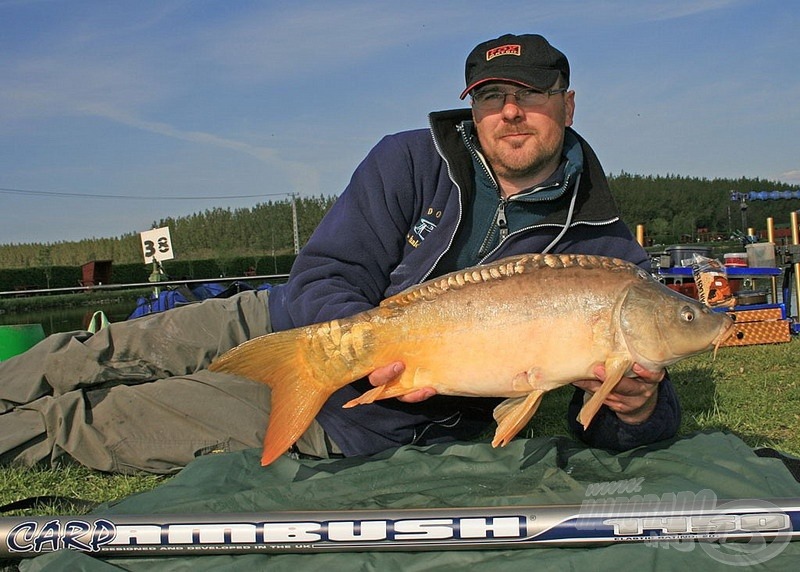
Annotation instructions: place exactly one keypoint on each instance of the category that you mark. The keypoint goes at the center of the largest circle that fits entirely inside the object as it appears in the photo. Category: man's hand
(634, 398)
(387, 373)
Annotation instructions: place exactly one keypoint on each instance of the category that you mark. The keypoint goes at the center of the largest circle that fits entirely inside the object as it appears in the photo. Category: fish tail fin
(278, 361)
(615, 369)
(294, 407)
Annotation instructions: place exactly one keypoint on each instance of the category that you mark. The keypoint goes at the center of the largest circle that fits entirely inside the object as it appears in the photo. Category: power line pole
(743, 207)
(294, 226)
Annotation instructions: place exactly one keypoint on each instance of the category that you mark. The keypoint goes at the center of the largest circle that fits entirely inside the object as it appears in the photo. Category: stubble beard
(516, 164)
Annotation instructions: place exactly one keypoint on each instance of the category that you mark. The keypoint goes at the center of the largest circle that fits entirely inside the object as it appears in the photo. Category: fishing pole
(772, 523)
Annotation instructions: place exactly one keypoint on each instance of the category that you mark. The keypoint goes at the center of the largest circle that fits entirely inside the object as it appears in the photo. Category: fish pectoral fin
(403, 385)
(391, 389)
(513, 414)
(367, 397)
(616, 366)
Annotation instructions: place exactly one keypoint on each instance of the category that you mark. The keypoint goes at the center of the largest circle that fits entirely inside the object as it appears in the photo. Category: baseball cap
(527, 59)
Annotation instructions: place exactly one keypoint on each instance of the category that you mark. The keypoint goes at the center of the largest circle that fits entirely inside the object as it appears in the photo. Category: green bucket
(16, 339)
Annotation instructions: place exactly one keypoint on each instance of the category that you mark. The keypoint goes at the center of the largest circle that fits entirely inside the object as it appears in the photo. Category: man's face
(522, 143)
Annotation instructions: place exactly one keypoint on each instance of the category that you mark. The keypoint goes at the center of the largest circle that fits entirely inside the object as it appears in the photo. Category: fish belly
(508, 359)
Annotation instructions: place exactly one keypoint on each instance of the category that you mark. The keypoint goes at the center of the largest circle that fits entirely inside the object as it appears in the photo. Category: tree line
(265, 229)
(678, 209)
(673, 209)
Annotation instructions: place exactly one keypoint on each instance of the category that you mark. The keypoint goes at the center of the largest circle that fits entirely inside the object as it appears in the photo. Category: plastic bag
(711, 280)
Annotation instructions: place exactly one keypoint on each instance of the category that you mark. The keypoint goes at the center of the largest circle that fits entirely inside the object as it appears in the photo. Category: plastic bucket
(735, 259)
(761, 255)
(682, 254)
(16, 339)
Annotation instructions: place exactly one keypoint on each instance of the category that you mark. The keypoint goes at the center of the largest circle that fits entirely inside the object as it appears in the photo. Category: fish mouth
(722, 336)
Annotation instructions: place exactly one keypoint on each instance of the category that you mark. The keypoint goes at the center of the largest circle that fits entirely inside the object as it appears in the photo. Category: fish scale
(503, 269)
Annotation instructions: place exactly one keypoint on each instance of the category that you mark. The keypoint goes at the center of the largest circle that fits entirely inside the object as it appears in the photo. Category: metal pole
(132, 285)
(743, 206)
(640, 234)
(771, 240)
(796, 240)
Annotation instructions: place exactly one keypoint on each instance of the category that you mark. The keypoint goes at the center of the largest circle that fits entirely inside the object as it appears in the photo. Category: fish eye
(687, 315)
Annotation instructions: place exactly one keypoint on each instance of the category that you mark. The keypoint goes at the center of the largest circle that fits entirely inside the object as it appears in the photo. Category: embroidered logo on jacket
(423, 227)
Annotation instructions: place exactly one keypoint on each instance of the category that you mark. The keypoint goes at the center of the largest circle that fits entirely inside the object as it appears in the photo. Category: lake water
(69, 319)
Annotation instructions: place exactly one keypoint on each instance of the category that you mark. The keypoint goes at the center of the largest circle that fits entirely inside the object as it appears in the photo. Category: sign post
(156, 247)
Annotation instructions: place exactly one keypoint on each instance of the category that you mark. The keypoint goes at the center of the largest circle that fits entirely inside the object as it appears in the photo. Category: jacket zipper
(501, 221)
(500, 226)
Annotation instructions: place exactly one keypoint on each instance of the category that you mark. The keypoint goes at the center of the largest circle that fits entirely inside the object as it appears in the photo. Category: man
(508, 177)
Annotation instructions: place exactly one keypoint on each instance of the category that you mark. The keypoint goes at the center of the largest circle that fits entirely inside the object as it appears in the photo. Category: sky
(116, 114)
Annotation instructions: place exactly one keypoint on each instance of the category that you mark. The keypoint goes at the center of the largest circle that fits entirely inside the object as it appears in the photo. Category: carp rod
(766, 525)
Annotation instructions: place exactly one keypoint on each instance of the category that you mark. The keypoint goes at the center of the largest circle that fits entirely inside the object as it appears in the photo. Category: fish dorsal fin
(499, 270)
(431, 289)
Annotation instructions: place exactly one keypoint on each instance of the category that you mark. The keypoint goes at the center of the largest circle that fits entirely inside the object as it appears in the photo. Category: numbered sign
(156, 244)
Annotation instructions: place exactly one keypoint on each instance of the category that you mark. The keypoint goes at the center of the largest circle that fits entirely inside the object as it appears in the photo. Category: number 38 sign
(156, 245)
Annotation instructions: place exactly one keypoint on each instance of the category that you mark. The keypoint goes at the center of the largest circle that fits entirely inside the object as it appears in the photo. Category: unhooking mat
(541, 471)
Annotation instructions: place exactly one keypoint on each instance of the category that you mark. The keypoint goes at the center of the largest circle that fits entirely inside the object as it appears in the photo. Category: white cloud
(792, 176)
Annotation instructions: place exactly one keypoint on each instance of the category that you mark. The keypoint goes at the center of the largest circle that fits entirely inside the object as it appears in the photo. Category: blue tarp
(172, 298)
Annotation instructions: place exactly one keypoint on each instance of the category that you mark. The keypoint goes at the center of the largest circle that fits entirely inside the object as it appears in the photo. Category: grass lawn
(751, 391)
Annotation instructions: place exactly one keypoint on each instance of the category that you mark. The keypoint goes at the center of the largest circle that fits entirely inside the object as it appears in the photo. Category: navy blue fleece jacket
(389, 229)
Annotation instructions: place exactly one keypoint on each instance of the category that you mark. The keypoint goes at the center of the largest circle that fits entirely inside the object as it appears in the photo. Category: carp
(516, 328)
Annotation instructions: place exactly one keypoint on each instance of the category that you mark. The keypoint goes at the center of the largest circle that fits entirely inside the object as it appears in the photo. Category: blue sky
(114, 114)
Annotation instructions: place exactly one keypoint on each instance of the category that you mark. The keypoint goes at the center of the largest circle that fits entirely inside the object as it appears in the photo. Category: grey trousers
(136, 396)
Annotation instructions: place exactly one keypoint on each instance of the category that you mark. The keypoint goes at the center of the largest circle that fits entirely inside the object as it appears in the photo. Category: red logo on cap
(507, 50)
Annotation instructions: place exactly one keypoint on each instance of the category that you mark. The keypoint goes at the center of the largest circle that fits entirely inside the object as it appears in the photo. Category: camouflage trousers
(136, 396)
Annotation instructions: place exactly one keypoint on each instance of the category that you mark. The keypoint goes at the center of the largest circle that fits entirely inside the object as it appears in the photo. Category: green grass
(751, 391)
(69, 482)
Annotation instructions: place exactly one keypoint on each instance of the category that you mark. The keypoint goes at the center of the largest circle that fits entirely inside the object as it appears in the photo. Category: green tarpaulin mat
(541, 471)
